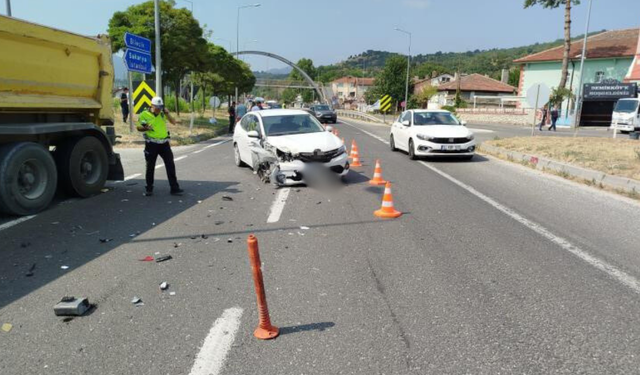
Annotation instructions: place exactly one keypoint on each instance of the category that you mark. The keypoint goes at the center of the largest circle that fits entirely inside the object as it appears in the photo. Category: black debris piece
(105, 240)
(229, 240)
(219, 222)
(30, 271)
(24, 245)
(204, 236)
(227, 198)
(163, 259)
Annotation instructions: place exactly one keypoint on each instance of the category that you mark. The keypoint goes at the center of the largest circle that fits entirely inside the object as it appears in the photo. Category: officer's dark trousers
(151, 152)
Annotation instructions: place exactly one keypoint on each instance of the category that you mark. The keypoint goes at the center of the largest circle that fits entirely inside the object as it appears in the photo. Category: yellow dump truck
(56, 115)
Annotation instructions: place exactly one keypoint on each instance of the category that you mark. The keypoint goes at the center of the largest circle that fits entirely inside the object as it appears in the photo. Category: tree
(307, 66)
(183, 46)
(289, 95)
(392, 79)
(423, 97)
(553, 4)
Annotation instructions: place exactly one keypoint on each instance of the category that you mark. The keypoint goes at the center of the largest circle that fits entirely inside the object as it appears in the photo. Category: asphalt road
(493, 268)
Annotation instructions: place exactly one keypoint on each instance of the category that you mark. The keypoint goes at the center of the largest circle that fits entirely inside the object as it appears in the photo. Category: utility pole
(8, 8)
(158, 57)
(578, 102)
(406, 92)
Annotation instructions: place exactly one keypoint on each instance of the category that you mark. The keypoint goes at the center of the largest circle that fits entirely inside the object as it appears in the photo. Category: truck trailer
(56, 115)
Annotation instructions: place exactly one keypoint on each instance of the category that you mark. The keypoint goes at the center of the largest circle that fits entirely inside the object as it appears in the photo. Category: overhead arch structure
(294, 66)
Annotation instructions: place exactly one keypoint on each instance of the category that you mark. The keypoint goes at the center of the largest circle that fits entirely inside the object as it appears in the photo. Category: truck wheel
(83, 166)
(28, 178)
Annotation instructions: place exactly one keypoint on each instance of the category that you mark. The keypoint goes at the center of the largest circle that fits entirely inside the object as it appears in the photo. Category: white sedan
(287, 146)
(431, 133)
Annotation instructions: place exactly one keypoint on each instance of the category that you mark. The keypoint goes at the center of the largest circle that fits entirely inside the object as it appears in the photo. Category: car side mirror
(253, 134)
(329, 128)
(463, 123)
(406, 123)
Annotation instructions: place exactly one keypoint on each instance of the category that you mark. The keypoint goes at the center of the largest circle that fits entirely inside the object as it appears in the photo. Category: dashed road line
(211, 145)
(15, 222)
(181, 157)
(278, 205)
(217, 344)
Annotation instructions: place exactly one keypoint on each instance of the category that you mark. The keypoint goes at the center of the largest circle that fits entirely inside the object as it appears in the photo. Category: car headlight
(342, 150)
(471, 137)
(318, 114)
(424, 137)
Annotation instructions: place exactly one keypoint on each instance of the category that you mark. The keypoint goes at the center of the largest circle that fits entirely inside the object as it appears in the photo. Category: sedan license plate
(450, 147)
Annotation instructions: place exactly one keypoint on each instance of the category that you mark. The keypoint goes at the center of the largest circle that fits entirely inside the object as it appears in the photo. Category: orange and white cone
(356, 157)
(377, 175)
(353, 146)
(387, 211)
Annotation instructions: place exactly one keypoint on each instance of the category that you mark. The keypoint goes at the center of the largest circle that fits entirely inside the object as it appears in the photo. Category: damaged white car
(288, 147)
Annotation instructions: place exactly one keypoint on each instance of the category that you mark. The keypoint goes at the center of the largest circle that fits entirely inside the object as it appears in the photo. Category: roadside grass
(180, 135)
(618, 157)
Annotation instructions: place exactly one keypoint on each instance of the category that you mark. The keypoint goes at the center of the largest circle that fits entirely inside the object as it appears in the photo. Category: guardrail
(359, 115)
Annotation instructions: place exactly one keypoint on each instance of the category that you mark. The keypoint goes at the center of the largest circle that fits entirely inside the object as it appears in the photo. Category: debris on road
(172, 293)
(137, 301)
(177, 244)
(25, 244)
(304, 228)
(104, 190)
(105, 240)
(204, 236)
(148, 258)
(71, 306)
(124, 200)
(164, 259)
(219, 222)
(6, 327)
(64, 267)
(31, 269)
(230, 240)
(193, 237)
(164, 285)
(227, 198)
(199, 202)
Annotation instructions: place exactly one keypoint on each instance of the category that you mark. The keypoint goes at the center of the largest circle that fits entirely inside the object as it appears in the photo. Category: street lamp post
(238, 33)
(156, 12)
(578, 102)
(8, 8)
(406, 92)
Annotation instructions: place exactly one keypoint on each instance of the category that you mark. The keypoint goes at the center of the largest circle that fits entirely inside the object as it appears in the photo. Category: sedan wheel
(412, 150)
(236, 156)
(392, 144)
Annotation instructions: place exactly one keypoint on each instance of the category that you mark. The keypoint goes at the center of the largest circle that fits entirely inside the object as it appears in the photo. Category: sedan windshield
(628, 106)
(322, 108)
(434, 118)
(291, 124)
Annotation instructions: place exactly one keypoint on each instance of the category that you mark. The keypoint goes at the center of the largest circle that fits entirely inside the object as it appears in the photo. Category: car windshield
(434, 118)
(626, 106)
(291, 124)
(322, 108)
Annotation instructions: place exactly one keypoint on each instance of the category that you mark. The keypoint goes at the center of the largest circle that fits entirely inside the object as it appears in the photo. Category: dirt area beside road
(180, 135)
(619, 157)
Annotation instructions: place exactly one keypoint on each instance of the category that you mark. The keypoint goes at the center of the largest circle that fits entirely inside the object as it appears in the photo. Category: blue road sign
(137, 42)
(138, 61)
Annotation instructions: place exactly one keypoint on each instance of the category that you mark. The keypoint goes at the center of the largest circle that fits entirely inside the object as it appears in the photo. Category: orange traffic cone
(353, 145)
(377, 175)
(356, 156)
(387, 211)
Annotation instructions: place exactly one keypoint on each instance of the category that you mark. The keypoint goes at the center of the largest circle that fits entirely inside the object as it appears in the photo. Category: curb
(620, 183)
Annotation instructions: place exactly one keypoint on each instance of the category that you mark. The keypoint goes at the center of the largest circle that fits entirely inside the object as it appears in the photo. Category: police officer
(153, 123)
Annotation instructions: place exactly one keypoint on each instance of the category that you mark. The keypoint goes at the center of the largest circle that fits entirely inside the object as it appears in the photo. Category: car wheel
(83, 166)
(28, 178)
(392, 144)
(237, 158)
(412, 151)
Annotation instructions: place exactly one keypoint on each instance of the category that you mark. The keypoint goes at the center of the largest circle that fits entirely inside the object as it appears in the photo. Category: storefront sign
(609, 91)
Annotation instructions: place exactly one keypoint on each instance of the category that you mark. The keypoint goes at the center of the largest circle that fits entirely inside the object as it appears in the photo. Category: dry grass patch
(618, 157)
(180, 135)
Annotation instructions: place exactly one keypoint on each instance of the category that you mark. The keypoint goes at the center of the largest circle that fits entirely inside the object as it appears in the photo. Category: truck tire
(83, 166)
(28, 178)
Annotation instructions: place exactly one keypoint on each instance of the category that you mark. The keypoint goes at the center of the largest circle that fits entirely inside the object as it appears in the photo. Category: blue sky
(328, 31)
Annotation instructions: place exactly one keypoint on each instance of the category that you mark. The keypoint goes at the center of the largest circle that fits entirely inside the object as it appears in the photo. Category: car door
(243, 139)
(403, 131)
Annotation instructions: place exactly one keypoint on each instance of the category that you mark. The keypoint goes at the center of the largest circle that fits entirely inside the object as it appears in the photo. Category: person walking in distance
(554, 117)
(124, 104)
(153, 123)
(232, 117)
(545, 113)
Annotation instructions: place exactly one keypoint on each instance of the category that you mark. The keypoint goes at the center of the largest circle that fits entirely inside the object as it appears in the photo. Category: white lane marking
(475, 130)
(15, 222)
(209, 146)
(278, 205)
(181, 157)
(129, 178)
(159, 165)
(611, 270)
(217, 344)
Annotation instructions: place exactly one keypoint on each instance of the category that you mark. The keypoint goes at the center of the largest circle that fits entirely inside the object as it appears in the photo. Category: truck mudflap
(116, 172)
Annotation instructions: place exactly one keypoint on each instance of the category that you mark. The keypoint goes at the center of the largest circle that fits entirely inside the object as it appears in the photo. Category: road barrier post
(265, 330)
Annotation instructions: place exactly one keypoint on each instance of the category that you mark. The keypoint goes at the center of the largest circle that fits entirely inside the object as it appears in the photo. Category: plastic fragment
(304, 228)
(64, 267)
(6, 327)
(148, 258)
(137, 301)
(227, 198)
(164, 259)
(164, 285)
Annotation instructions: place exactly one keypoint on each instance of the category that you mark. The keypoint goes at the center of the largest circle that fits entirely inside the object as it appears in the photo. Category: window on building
(340, 84)
(599, 76)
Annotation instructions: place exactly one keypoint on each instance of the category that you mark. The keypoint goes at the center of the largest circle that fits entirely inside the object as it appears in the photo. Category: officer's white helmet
(157, 102)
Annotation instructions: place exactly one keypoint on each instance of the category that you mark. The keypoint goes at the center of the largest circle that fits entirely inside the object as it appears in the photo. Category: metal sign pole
(158, 57)
(192, 113)
(535, 112)
(130, 95)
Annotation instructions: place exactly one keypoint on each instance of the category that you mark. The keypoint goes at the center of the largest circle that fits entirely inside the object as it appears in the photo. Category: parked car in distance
(272, 104)
(431, 133)
(296, 142)
(324, 113)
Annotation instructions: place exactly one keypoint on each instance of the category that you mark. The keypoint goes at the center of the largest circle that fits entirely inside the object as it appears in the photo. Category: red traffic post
(265, 330)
